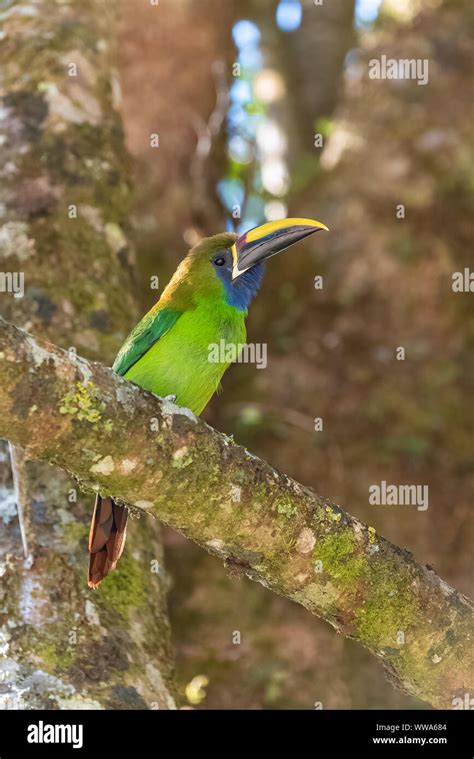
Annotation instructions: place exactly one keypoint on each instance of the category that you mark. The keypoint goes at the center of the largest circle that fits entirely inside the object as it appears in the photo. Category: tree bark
(64, 200)
(160, 459)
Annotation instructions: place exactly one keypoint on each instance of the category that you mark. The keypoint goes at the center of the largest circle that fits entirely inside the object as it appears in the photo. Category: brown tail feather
(106, 538)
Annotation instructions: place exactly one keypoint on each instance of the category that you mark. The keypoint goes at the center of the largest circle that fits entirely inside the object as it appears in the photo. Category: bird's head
(231, 266)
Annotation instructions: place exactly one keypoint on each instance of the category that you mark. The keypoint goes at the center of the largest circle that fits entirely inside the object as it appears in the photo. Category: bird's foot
(171, 398)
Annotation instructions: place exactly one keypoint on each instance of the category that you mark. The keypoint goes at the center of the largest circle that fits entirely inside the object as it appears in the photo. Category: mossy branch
(160, 459)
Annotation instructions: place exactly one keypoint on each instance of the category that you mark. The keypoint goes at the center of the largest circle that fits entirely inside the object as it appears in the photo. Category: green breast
(178, 363)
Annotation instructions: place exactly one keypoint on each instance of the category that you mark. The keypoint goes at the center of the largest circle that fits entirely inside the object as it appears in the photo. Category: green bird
(168, 352)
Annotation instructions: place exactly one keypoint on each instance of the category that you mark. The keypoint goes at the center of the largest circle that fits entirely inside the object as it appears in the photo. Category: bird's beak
(262, 242)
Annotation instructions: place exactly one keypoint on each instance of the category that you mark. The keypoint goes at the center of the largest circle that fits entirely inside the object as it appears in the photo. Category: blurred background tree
(264, 108)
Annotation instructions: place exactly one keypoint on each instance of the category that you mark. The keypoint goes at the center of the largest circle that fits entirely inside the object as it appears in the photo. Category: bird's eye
(220, 261)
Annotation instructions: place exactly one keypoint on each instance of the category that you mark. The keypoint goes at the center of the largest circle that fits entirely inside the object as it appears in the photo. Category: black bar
(156, 733)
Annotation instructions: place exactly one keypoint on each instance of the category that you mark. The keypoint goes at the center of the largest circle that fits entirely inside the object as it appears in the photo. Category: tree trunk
(64, 202)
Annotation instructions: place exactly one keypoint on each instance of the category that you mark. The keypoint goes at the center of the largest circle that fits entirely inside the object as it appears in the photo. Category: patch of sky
(245, 33)
(366, 12)
(288, 15)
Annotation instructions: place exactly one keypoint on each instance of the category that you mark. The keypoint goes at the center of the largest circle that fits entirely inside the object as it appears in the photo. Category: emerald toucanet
(205, 302)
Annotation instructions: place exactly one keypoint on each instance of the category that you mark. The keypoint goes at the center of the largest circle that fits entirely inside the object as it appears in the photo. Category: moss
(286, 507)
(257, 494)
(339, 556)
(334, 515)
(181, 462)
(90, 181)
(74, 532)
(390, 607)
(82, 403)
(56, 656)
(126, 588)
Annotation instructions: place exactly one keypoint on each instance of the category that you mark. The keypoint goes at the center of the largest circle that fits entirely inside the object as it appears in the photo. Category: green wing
(154, 325)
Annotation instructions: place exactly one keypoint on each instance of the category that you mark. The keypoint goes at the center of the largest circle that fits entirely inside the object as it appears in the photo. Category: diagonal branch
(160, 459)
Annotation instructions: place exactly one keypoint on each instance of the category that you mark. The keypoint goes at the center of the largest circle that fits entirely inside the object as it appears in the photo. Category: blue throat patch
(241, 292)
